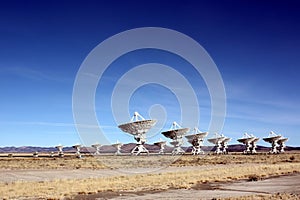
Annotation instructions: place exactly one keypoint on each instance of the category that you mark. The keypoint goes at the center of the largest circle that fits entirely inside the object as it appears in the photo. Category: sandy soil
(283, 184)
(48, 175)
(42, 170)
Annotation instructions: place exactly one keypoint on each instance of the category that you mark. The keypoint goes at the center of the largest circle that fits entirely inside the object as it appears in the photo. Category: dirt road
(288, 184)
(283, 184)
(47, 175)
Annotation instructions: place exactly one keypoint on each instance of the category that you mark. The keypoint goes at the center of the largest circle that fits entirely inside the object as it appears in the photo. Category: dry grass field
(113, 162)
(203, 169)
(266, 197)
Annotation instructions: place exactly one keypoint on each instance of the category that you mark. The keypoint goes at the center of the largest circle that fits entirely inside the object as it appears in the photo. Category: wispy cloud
(276, 112)
(249, 103)
(32, 74)
(54, 124)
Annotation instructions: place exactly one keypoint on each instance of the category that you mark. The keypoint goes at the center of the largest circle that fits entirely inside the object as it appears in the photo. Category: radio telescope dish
(250, 142)
(118, 146)
(77, 147)
(138, 127)
(51, 154)
(176, 133)
(35, 154)
(196, 139)
(60, 151)
(97, 148)
(161, 145)
(220, 142)
(272, 137)
(281, 143)
(276, 141)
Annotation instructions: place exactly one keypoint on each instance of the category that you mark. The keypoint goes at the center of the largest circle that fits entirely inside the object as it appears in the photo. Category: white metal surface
(97, 148)
(277, 142)
(176, 133)
(196, 139)
(161, 145)
(220, 142)
(118, 146)
(77, 147)
(250, 143)
(138, 126)
(60, 151)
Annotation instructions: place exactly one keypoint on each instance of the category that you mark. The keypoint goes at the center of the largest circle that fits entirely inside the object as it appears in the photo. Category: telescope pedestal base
(78, 155)
(248, 149)
(177, 150)
(218, 148)
(274, 148)
(138, 149)
(197, 151)
(161, 151)
(118, 152)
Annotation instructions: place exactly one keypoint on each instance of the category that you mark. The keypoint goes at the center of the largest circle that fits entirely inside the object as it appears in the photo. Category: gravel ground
(282, 184)
(52, 174)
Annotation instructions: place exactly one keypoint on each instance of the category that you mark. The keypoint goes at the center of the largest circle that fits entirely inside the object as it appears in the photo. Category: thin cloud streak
(31, 74)
(56, 124)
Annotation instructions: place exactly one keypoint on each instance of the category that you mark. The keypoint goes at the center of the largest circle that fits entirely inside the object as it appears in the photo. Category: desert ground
(232, 176)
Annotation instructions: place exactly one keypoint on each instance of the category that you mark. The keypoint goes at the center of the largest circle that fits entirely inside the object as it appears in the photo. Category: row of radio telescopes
(138, 127)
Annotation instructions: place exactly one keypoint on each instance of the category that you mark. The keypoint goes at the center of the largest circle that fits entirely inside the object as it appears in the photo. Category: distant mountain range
(126, 148)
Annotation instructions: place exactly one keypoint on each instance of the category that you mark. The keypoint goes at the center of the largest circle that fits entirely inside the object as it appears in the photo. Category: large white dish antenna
(196, 139)
(220, 142)
(173, 134)
(161, 145)
(277, 141)
(190, 138)
(250, 143)
(176, 133)
(138, 126)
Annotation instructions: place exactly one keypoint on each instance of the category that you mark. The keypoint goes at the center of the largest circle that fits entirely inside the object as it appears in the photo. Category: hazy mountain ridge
(126, 148)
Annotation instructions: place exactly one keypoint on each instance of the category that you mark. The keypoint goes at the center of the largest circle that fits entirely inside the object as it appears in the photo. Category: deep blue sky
(255, 44)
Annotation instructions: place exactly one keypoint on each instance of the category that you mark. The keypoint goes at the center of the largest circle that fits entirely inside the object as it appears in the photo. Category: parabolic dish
(117, 144)
(190, 138)
(160, 143)
(246, 140)
(272, 139)
(173, 134)
(196, 136)
(226, 140)
(137, 127)
(174, 143)
(216, 140)
(282, 140)
(255, 139)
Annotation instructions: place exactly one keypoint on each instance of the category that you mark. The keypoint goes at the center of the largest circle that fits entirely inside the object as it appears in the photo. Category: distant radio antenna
(176, 133)
(118, 146)
(250, 143)
(35, 154)
(220, 142)
(51, 154)
(77, 147)
(60, 151)
(196, 139)
(277, 141)
(161, 145)
(97, 148)
(138, 127)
